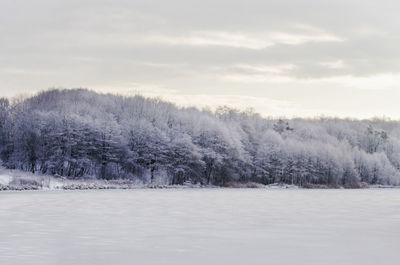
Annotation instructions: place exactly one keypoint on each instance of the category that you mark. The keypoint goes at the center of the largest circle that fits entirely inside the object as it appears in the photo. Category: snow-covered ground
(5, 179)
(20, 180)
(201, 226)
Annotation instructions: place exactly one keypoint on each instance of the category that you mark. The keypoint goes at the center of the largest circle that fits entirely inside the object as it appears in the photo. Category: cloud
(339, 64)
(228, 39)
(297, 39)
(315, 54)
(267, 69)
(254, 41)
(372, 82)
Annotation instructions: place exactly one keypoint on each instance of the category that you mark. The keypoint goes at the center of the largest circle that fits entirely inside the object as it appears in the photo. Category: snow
(200, 226)
(5, 179)
(21, 180)
(81, 134)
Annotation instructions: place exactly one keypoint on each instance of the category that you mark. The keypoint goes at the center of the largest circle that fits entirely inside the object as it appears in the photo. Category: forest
(83, 134)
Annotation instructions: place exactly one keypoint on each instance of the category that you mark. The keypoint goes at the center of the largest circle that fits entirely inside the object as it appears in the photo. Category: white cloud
(268, 69)
(255, 41)
(256, 78)
(339, 64)
(371, 82)
(297, 39)
(212, 38)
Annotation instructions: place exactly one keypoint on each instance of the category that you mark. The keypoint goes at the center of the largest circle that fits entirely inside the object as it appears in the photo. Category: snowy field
(200, 226)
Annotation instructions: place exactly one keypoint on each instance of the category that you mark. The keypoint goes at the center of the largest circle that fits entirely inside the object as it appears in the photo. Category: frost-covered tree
(80, 133)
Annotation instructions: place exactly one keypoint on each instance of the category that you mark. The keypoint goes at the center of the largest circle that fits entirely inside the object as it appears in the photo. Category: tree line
(82, 134)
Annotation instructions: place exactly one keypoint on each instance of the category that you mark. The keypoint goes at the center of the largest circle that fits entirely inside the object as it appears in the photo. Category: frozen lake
(200, 226)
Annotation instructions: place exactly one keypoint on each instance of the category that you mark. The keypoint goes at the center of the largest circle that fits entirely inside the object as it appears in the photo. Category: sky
(281, 58)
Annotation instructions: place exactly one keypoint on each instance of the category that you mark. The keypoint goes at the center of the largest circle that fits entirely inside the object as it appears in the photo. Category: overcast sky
(293, 58)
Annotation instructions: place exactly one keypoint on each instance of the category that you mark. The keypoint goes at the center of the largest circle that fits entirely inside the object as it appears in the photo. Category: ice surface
(201, 226)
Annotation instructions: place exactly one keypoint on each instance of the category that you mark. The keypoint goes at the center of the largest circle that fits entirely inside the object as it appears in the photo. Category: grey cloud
(190, 46)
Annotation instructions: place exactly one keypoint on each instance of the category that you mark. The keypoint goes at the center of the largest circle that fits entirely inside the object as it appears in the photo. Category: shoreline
(113, 186)
(15, 180)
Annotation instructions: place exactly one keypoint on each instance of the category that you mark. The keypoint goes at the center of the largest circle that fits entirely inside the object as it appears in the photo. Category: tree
(79, 133)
